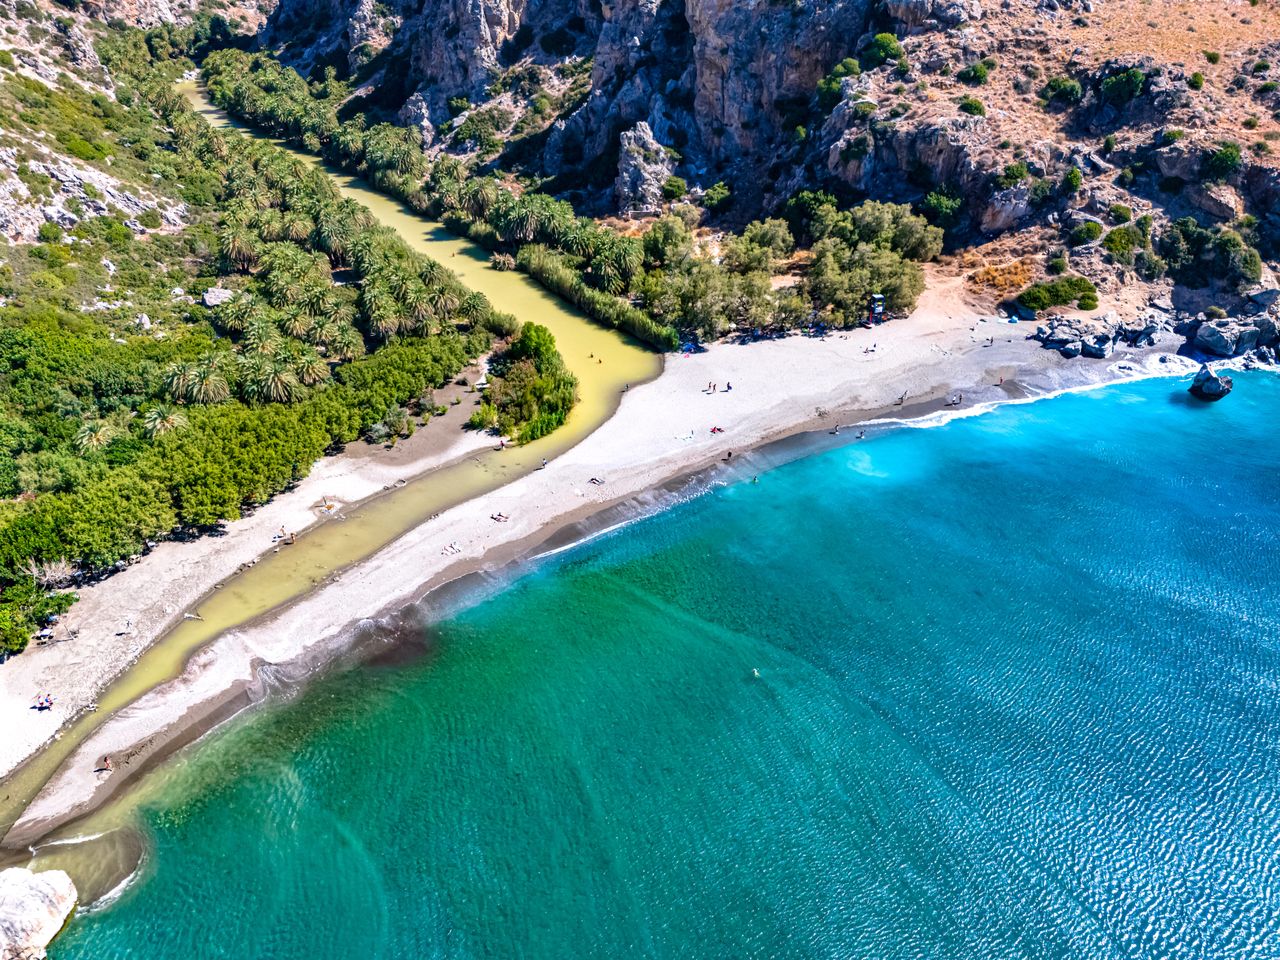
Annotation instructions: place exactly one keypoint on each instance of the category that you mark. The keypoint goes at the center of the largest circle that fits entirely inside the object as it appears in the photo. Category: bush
(49, 233)
(150, 218)
(1062, 90)
(673, 188)
(1109, 143)
(1223, 162)
(975, 74)
(1056, 293)
(1122, 242)
(717, 196)
(830, 86)
(1119, 213)
(1196, 81)
(1215, 313)
(1088, 301)
(6, 59)
(882, 48)
(1212, 55)
(942, 207)
(1072, 181)
(1086, 232)
(972, 106)
(1123, 87)
(1014, 174)
(1057, 265)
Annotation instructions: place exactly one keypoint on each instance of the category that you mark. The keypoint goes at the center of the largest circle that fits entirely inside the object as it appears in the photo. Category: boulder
(1218, 200)
(216, 296)
(1207, 385)
(912, 14)
(416, 113)
(1226, 337)
(643, 168)
(1180, 160)
(1006, 208)
(33, 909)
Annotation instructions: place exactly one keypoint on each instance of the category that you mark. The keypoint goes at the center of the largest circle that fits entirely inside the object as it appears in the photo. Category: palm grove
(114, 438)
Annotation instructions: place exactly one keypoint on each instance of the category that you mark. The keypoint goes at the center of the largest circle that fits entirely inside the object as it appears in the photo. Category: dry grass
(1004, 278)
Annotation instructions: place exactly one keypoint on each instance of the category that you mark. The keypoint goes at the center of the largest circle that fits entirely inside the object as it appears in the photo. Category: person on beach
(727, 386)
(106, 764)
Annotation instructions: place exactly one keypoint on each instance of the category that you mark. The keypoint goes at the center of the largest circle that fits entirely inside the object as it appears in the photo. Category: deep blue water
(1016, 697)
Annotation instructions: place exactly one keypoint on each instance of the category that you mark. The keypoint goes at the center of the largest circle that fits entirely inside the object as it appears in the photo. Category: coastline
(660, 434)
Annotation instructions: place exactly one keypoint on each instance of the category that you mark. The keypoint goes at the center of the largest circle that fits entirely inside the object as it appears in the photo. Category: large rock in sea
(1209, 386)
(33, 909)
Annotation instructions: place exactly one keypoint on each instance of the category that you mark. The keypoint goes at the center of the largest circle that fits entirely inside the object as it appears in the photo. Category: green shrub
(1014, 173)
(1212, 55)
(1262, 66)
(1062, 90)
(1196, 81)
(1072, 181)
(1108, 143)
(1121, 243)
(829, 87)
(1120, 213)
(1088, 301)
(1271, 86)
(972, 106)
(1123, 87)
(1056, 293)
(49, 233)
(6, 59)
(1086, 232)
(1215, 313)
(942, 207)
(1171, 135)
(717, 196)
(1057, 265)
(975, 74)
(1223, 162)
(150, 218)
(673, 188)
(882, 48)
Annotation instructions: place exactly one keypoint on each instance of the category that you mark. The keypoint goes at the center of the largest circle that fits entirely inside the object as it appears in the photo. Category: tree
(162, 419)
(93, 436)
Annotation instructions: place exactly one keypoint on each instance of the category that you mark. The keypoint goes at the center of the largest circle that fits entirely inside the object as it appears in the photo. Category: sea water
(1002, 688)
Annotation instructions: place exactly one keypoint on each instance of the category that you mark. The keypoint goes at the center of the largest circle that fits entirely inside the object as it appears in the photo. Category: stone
(643, 169)
(416, 113)
(1006, 208)
(1218, 200)
(1207, 385)
(33, 909)
(216, 296)
(1226, 337)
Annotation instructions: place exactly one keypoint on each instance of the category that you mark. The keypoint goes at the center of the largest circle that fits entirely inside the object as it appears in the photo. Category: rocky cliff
(33, 909)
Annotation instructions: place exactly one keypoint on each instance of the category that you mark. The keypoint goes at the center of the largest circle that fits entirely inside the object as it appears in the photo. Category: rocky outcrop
(1006, 208)
(33, 909)
(1208, 385)
(910, 15)
(1218, 200)
(643, 168)
(20, 219)
(1162, 93)
(416, 113)
(1097, 336)
(1232, 336)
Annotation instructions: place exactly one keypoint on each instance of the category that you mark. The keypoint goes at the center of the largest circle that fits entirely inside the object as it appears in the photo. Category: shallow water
(603, 360)
(1002, 688)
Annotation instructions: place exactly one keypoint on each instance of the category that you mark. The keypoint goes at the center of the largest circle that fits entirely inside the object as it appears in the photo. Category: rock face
(911, 15)
(1209, 386)
(643, 167)
(33, 909)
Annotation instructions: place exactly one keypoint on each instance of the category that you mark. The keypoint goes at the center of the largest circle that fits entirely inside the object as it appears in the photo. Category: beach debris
(1209, 386)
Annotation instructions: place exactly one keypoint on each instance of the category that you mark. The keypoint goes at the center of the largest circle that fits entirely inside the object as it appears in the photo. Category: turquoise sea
(1003, 688)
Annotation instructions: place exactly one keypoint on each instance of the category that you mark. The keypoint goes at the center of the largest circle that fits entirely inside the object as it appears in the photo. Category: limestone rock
(416, 113)
(1208, 385)
(913, 14)
(643, 168)
(1096, 337)
(1006, 208)
(33, 909)
(216, 296)
(1218, 200)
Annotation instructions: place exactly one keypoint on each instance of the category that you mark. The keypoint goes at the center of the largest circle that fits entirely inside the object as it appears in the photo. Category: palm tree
(178, 379)
(297, 323)
(162, 419)
(347, 344)
(239, 244)
(444, 301)
(209, 385)
(280, 384)
(233, 315)
(312, 369)
(93, 435)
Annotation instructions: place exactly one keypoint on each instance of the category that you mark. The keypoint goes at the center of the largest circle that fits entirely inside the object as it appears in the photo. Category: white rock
(33, 909)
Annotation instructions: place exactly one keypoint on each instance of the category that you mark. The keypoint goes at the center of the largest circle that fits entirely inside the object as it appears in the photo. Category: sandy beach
(664, 429)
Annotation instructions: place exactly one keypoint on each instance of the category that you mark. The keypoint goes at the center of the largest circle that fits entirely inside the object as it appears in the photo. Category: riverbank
(662, 430)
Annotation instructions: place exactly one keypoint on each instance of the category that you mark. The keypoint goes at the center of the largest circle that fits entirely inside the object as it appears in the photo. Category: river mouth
(604, 361)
